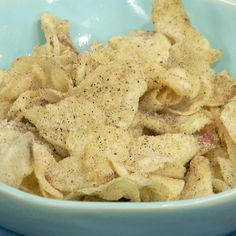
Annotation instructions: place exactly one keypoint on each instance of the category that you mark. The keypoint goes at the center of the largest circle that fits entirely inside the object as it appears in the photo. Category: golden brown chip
(198, 179)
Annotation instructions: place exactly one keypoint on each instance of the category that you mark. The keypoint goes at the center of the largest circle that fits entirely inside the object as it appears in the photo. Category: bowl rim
(214, 199)
(211, 200)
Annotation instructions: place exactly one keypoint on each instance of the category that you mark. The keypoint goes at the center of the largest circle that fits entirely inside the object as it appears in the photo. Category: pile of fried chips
(144, 118)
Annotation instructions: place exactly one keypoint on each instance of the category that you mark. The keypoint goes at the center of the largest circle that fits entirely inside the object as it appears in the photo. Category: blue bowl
(99, 20)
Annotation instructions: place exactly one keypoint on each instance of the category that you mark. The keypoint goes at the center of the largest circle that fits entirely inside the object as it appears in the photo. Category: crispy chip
(59, 45)
(219, 186)
(98, 55)
(151, 153)
(214, 164)
(162, 189)
(13, 85)
(170, 18)
(185, 56)
(170, 123)
(144, 118)
(4, 108)
(198, 179)
(46, 73)
(15, 155)
(172, 170)
(91, 164)
(228, 117)
(112, 141)
(158, 99)
(30, 185)
(151, 50)
(228, 170)
(43, 160)
(31, 98)
(113, 191)
(181, 82)
(231, 149)
(223, 89)
(116, 89)
(33, 73)
(66, 175)
(54, 124)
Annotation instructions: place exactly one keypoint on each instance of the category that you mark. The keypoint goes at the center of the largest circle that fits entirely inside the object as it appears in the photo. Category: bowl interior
(99, 20)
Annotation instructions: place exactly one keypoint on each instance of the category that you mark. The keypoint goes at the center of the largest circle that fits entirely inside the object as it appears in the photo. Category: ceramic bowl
(99, 20)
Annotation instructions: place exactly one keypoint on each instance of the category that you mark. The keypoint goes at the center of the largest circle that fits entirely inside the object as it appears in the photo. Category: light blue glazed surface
(99, 20)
